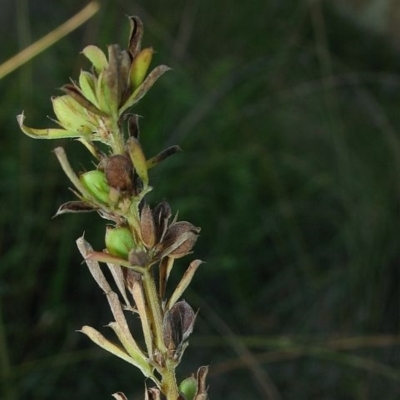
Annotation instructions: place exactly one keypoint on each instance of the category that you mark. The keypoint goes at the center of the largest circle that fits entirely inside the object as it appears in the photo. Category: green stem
(117, 138)
(168, 386)
(155, 309)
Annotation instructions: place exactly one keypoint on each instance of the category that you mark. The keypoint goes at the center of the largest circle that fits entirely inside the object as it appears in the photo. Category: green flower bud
(119, 241)
(139, 67)
(96, 184)
(188, 388)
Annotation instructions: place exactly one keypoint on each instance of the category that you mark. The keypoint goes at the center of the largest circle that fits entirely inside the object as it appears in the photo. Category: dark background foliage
(288, 116)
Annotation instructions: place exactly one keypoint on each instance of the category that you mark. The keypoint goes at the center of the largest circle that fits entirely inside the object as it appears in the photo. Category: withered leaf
(201, 393)
(74, 207)
(135, 36)
(162, 156)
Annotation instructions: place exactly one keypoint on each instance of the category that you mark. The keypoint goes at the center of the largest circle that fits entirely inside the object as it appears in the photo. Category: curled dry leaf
(202, 388)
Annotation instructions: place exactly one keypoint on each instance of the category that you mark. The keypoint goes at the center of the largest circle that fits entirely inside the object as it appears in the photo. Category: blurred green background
(287, 112)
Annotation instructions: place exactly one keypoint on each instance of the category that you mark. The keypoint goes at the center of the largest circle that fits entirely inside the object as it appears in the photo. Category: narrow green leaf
(87, 83)
(47, 133)
(96, 56)
(112, 348)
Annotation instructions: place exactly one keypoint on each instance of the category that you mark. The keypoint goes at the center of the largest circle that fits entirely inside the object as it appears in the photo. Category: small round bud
(96, 184)
(188, 388)
(119, 241)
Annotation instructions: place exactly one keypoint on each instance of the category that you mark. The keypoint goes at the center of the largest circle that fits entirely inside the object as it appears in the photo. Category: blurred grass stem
(45, 42)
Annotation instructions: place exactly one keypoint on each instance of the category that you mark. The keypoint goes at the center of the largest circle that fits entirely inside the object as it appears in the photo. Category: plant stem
(155, 309)
(168, 386)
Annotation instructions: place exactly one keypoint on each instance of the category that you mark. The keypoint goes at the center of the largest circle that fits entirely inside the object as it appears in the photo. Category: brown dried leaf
(135, 36)
(85, 249)
(116, 271)
(134, 285)
(202, 388)
(162, 156)
(75, 206)
(153, 394)
(120, 319)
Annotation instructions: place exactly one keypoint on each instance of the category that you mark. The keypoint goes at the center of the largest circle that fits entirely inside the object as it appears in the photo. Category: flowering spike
(143, 242)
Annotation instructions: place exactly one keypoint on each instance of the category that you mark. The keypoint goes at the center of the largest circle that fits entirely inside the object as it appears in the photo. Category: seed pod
(119, 241)
(96, 184)
(161, 214)
(118, 170)
(179, 239)
(147, 227)
(178, 324)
